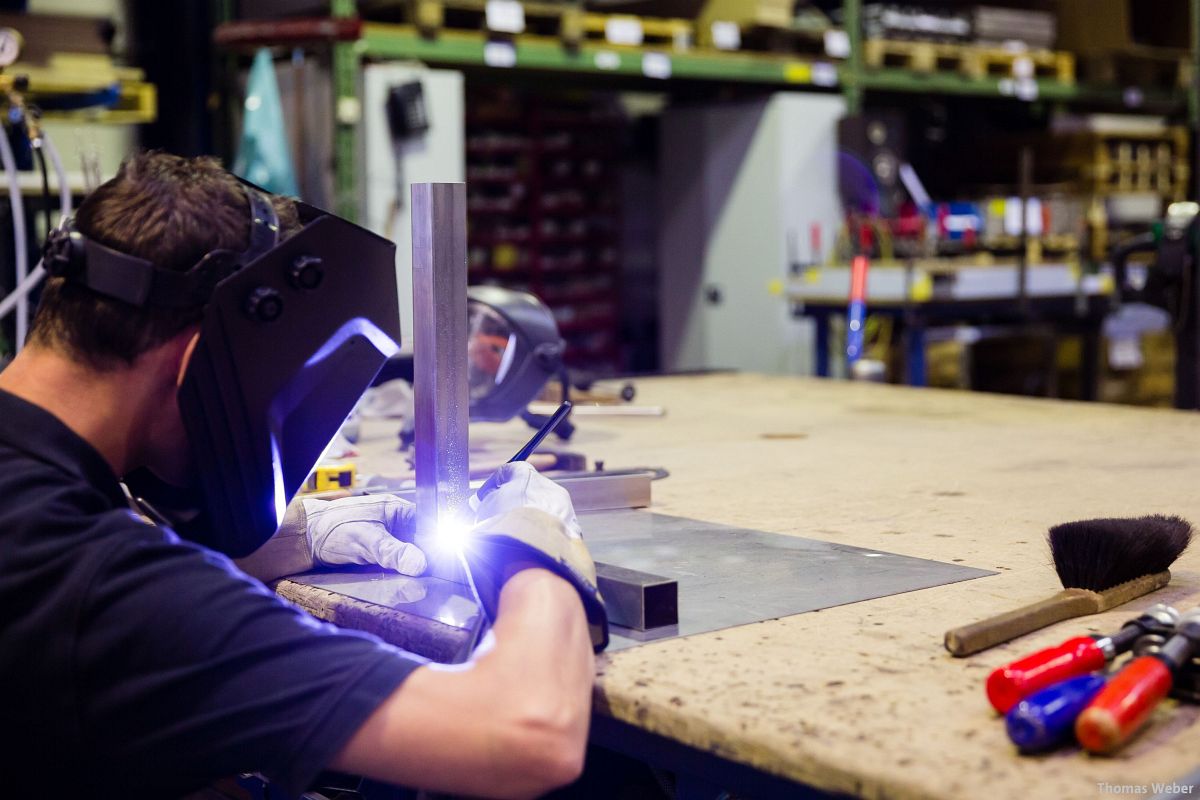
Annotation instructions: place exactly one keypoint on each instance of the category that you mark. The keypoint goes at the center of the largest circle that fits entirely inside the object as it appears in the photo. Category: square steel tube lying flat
(441, 410)
(637, 600)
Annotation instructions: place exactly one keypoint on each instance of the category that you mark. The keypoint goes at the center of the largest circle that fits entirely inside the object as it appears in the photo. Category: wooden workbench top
(863, 698)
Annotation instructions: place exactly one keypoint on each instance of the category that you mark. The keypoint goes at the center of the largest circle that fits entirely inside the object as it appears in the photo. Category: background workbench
(862, 698)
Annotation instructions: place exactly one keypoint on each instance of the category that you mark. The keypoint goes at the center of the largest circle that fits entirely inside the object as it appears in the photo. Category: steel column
(439, 268)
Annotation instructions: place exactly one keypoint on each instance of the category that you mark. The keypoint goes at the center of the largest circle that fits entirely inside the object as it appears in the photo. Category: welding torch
(525, 452)
(1127, 701)
(1010, 684)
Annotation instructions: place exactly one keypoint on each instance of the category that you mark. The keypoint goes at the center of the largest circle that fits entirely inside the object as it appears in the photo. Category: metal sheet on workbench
(726, 576)
(734, 576)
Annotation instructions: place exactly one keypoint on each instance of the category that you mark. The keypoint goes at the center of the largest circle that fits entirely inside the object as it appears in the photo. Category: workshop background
(694, 185)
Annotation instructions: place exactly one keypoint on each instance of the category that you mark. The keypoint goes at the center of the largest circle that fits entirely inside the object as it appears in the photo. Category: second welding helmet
(513, 348)
(292, 333)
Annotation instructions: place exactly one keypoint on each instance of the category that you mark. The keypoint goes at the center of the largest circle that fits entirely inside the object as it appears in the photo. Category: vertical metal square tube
(439, 270)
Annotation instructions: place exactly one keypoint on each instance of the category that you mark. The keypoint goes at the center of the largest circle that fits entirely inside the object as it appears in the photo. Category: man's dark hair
(168, 210)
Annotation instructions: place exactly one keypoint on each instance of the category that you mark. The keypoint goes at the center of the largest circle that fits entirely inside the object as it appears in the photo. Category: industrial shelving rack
(543, 209)
(352, 41)
(656, 64)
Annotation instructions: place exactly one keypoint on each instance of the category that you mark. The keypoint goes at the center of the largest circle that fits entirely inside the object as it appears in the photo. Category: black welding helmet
(293, 332)
(513, 348)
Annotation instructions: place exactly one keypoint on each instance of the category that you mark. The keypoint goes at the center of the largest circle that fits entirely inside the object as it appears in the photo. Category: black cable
(46, 199)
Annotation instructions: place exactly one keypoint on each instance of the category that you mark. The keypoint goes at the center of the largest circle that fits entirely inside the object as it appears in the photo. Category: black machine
(293, 332)
(871, 149)
(1171, 283)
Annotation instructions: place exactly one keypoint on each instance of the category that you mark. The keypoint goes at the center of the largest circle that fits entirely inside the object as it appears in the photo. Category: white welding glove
(521, 486)
(364, 530)
(529, 520)
(371, 529)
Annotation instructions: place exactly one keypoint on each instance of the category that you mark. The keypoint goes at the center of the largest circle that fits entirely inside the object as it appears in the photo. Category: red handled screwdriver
(1124, 705)
(1012, 683)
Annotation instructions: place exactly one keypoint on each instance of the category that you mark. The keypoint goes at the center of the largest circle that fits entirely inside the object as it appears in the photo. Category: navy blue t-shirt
(138, 664)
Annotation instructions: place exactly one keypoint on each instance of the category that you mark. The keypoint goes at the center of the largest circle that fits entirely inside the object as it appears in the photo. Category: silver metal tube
(64, 186)
(19, 233)
(441, 413)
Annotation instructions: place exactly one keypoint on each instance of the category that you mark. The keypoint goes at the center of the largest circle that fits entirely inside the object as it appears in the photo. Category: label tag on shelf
(798, 72)
(656, 65)
(607, 59)
(1027, 89)
(348, 111)
(837, 43)
(505, 16)
(824, 74)
(1012, 216)
(624, 30)
(499, 54)
(726, 35)
(1033, 216)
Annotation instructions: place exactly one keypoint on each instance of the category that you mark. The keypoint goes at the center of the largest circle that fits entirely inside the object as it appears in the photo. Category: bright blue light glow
(359, 326)
(453, 533)
(280, 494)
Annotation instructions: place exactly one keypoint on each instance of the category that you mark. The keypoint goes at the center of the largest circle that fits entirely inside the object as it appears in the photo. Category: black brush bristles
(1098, 554)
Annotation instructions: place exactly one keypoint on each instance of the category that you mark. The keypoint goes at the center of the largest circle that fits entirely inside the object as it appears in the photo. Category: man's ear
(186, 356)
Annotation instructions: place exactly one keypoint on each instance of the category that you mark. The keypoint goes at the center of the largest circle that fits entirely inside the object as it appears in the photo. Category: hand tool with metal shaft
(525, 452)
(1127, 702)
(1046, 718)
(1010, 684)
(1102, 564)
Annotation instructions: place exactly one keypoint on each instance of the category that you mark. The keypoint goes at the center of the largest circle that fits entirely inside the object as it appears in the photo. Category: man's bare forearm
(513, 724)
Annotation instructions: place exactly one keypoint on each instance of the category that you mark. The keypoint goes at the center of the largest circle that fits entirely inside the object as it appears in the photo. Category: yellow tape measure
(329, 477)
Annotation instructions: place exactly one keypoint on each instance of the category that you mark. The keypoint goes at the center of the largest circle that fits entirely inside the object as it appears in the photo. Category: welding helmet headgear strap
(70, 255)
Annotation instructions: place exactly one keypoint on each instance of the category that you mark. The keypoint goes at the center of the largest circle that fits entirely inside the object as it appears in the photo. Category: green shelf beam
(384, 41)
(470, 49)
(900, 80)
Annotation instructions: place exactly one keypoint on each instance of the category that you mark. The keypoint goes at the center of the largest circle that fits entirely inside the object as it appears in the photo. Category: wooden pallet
(969, 60)
(562, 20)
(755, 38)
(668, 34)
(1118, 163)
(565, 21)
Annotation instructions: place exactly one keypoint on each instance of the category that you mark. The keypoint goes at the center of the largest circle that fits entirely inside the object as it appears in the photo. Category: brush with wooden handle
(1102, 563)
